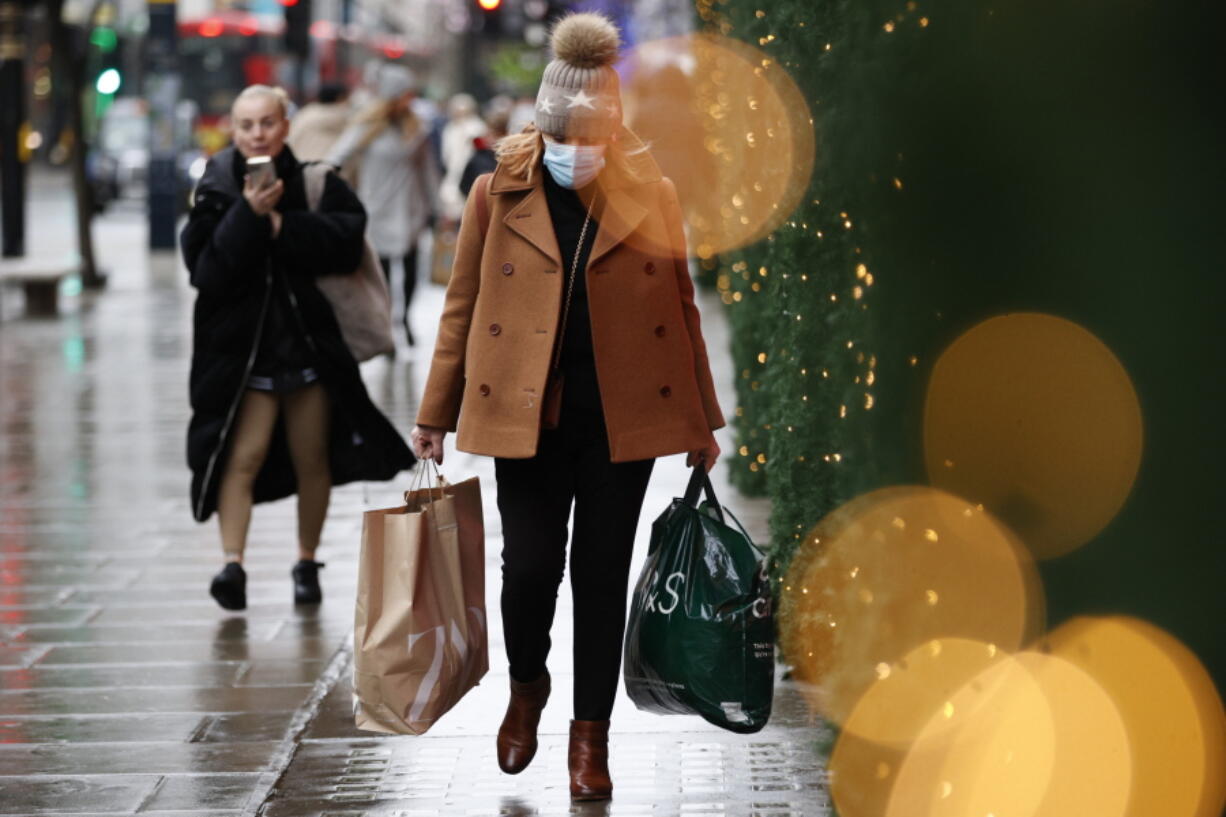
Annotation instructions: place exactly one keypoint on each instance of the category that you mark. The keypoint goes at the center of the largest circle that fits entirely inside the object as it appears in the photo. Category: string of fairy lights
(799, 299)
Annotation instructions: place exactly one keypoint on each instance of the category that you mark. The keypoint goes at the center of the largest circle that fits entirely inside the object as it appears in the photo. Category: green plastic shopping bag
(700, 639)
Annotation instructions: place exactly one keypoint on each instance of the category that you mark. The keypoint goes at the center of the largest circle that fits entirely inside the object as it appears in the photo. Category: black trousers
(410, 283)
(534, 498)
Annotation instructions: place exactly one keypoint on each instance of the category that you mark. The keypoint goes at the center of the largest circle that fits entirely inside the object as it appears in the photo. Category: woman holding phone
(278, 405)
(571, 351)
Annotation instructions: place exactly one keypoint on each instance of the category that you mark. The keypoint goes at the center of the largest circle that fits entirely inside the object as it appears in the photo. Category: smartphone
(262, 171)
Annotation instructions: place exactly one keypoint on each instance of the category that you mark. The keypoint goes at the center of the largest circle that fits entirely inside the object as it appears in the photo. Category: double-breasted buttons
(508, 268)
(484, 389)
(665, 391)
(495, 329)
(659, 331)
(650, 268)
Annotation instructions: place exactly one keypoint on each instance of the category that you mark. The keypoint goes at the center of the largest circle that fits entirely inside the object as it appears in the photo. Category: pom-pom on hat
(580, 94)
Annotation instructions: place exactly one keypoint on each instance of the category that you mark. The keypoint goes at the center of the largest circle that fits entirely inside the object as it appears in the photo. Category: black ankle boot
(306, 582)
(229, 587)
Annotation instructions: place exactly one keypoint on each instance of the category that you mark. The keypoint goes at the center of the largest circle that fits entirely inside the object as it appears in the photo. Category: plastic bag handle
(701, 481)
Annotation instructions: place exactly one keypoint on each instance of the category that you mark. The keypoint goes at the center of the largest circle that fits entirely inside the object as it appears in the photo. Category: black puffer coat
(236, 265)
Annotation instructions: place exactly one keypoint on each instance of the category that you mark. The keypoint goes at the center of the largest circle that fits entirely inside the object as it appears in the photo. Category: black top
(578, 362)
(283, 352)
(483, 161)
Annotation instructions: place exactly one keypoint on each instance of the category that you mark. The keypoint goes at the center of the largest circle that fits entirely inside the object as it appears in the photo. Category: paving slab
(44, 728)
(125, 675)
(41, 794)
(132, 757)
(115, 700)
(221, 650)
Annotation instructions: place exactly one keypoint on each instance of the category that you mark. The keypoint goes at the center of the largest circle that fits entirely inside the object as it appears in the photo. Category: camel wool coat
(501, 320)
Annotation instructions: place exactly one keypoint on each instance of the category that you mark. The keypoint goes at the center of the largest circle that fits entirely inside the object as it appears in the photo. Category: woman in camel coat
(570, 267)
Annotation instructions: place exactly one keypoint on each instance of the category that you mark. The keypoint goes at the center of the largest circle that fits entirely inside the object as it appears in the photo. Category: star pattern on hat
(581, 100)
(545, 104)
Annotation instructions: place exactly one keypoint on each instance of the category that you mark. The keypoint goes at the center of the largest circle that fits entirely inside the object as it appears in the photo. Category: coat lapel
(530, 220)
(619, 217)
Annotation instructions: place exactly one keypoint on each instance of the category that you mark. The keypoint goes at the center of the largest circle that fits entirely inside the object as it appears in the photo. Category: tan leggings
(306, 413)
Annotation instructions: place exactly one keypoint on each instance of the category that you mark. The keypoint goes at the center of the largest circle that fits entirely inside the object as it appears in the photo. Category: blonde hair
(277, 94)
(521, 153)
(380, 113)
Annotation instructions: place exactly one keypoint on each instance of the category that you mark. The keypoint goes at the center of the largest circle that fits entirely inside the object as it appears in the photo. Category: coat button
(508, 268)
(659, 331)
(485, 390)
(495, 329)
(666, 391)
(650, 268)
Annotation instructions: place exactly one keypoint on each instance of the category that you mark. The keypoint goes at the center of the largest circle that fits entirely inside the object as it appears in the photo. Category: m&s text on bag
(671, 586)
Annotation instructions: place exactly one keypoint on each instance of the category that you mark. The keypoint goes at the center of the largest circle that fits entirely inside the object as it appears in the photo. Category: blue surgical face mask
(574, 166)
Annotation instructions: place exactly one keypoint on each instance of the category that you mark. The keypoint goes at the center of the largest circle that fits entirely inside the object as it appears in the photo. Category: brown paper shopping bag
(443, 255)
(419, 624)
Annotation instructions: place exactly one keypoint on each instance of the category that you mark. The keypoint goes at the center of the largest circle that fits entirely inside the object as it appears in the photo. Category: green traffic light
(108, 81)
(105, 38)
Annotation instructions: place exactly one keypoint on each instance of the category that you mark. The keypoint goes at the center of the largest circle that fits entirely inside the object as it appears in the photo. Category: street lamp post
(12, 120)
(163, 86)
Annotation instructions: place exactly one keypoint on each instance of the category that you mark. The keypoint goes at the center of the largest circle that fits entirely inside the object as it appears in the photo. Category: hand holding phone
(262, 188)
(261, 171)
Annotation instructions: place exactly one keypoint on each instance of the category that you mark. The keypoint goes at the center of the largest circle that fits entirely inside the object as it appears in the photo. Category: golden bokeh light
(1105, 716)
(1044, 739)
(727, 123)
(901, 700)
(1170, 707)
(1034, 417)
(896, 570)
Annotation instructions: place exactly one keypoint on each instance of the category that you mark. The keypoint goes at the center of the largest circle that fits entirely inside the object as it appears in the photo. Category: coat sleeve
(347, 145)
(693, 322)
(223, 242)
(440, 403)
(327, 241)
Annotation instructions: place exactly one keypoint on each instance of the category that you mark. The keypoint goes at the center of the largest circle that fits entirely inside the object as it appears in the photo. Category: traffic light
(488, 19)
(297, 27)
(104, 65)
(108, 82)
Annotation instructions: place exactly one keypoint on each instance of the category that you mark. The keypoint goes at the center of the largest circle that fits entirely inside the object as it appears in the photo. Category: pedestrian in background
(315, 129)
(571, 351)
(398, 177)
(484, 160)
(463, 126)
(278, 405)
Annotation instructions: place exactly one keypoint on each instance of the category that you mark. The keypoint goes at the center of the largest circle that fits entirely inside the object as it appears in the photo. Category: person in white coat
(462, 128)
(397, 175)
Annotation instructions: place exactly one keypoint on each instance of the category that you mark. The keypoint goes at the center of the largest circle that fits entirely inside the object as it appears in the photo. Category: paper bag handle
(426, 477)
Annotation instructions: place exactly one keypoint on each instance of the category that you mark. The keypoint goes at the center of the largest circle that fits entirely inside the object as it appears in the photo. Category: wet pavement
(125, 690)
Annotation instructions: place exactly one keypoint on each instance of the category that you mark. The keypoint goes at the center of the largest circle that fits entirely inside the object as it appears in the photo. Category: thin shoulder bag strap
(570, 287)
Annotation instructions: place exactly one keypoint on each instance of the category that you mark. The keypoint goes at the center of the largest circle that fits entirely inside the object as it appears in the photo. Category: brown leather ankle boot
(588, 761)
(517, 736)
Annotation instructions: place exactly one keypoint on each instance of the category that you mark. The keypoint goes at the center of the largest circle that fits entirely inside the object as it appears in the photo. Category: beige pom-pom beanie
(580, 93)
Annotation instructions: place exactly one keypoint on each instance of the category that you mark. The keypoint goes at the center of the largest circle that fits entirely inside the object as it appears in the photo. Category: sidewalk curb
(303, 718)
